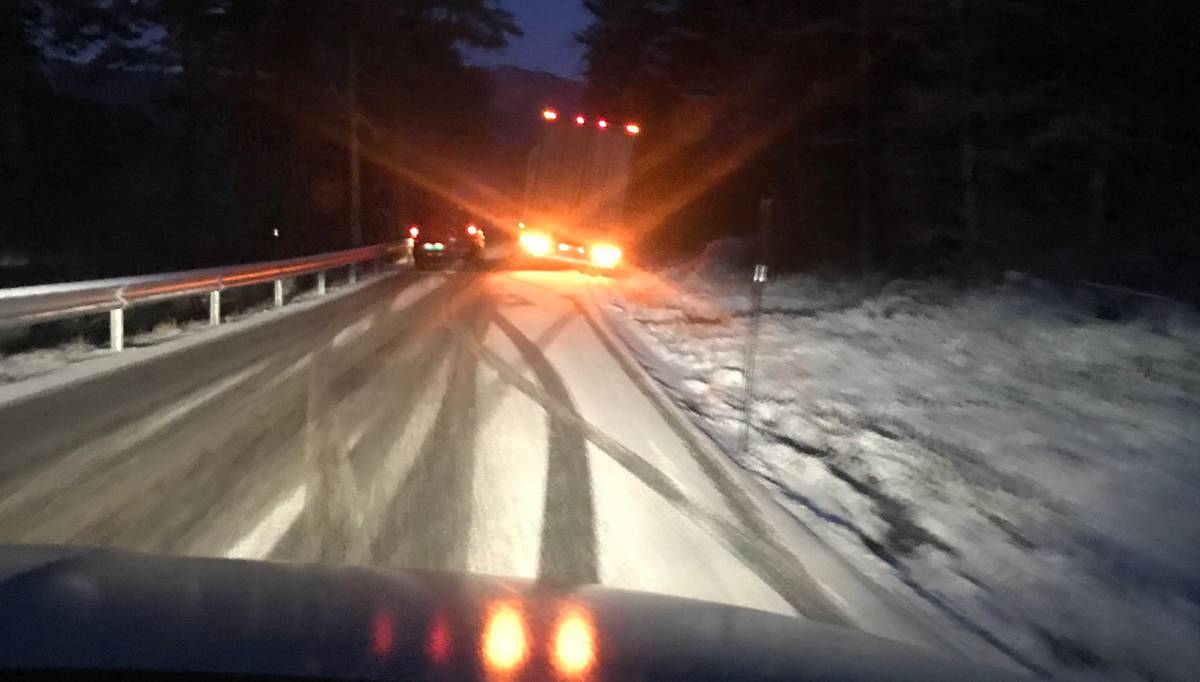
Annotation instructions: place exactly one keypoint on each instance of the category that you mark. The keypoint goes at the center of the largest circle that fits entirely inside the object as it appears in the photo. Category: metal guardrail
(21, 306)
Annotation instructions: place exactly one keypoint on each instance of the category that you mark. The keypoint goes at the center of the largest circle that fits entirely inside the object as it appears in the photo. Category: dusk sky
(549, 40)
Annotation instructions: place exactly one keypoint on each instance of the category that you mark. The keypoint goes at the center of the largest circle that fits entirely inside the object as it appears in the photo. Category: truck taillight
(550, 115)
(605, 256)
(414, 231)
(535, 244)
(471, 229)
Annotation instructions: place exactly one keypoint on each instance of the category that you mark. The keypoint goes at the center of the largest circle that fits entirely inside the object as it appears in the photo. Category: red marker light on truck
(633, 129)
(602, 124)
(579, 120)
(471, 229)
(550, 115)
(414, 231)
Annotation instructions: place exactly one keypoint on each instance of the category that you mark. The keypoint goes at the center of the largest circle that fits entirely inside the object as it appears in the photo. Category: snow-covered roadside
(998, 458)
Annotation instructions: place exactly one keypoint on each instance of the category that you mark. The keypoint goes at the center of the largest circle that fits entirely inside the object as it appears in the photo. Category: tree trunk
(1098, 188)
(967, 152)
(352, 134)
(179, 245)
(12, 131)
(865, 148)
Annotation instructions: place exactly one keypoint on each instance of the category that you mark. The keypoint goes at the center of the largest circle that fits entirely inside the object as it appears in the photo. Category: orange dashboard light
(383, 634)
(633, 128)
(573, 651)
(505, 645)
(440, 642)
(550, 115)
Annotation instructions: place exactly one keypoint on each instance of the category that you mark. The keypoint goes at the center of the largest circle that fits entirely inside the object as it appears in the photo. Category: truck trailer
(575, 186)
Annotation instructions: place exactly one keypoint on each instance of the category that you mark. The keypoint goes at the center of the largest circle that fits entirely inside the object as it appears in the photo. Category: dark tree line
(948, 135)
(335, 123)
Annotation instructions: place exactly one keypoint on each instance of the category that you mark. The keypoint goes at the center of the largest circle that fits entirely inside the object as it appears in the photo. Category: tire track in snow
(568, 546)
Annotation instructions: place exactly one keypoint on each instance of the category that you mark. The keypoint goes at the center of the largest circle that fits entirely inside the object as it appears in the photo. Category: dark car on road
(442, 241)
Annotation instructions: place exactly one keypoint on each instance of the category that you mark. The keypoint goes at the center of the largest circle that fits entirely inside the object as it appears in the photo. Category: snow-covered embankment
(998, 457)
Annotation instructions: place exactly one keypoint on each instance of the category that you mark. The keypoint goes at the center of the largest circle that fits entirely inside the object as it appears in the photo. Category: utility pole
(352, 130)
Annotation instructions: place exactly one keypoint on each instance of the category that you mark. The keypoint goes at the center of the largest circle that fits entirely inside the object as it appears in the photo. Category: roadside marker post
(758, 286)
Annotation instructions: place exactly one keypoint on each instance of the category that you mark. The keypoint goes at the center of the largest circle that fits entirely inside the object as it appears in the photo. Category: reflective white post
(116, 329)
(278, 293)
(321, 283)
(214, 307)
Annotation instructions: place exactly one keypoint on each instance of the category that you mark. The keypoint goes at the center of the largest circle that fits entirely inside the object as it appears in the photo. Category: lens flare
(505, 645)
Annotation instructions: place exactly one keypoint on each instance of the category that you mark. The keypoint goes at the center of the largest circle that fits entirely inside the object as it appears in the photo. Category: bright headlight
(605, 256)
(535, 243)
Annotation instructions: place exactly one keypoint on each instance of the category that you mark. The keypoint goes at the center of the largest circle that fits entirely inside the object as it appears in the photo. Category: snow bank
(1000, 458)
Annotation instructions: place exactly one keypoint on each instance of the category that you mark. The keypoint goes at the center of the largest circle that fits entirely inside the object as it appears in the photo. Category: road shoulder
(861, 604)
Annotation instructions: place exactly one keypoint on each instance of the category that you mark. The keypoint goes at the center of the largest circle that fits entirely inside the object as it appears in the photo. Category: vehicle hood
(64, 608)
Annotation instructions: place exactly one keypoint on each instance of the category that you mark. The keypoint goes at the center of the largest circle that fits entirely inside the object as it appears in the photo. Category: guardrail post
(214, 307)
(278, 293)
(321, 283)
(353, 273)
(116, 329)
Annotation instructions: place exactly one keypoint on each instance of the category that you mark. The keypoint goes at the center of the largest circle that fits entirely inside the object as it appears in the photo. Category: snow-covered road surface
(1000, 459)
(465, 421)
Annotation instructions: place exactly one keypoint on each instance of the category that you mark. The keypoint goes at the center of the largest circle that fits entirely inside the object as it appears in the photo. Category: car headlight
(605, 256)
(535, 243)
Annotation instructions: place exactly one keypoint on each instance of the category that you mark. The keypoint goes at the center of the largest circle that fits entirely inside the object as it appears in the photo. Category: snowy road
(472, 421)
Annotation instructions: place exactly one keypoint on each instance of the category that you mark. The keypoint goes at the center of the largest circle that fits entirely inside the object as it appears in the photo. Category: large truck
(575, 186)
